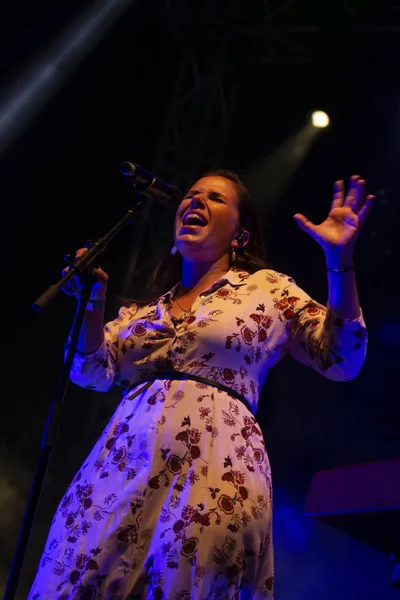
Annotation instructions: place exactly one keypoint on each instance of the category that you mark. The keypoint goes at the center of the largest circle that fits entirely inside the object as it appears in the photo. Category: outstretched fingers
(352, 193)
(338, 194)
(359, 196)
(365, 208)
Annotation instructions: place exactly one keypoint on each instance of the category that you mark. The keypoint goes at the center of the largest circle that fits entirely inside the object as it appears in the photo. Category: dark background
(60, 185)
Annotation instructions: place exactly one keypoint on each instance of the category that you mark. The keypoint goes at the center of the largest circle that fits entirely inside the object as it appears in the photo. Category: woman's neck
(196, 274)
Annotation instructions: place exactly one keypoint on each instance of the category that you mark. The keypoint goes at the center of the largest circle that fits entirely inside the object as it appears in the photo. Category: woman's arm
(333, 340)
(91, 334)
(343, 294)
(318, 336)
(94, 362)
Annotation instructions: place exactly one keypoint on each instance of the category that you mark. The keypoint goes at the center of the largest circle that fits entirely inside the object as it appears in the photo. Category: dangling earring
(233, 255)
(174, 250)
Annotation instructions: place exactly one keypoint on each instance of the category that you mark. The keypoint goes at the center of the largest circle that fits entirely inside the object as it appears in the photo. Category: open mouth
(194, 220)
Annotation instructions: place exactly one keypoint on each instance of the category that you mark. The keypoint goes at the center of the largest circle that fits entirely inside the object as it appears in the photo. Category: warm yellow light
(320, 119)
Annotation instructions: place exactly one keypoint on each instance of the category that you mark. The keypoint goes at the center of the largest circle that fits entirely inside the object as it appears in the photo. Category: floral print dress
(174, 502)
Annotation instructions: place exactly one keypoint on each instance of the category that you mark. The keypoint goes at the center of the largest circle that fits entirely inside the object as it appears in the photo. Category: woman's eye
(214, 197)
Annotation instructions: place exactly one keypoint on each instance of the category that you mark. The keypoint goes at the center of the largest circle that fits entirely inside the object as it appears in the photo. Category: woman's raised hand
(349, 210)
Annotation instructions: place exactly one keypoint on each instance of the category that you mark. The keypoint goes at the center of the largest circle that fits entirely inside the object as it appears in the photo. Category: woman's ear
(241, 240)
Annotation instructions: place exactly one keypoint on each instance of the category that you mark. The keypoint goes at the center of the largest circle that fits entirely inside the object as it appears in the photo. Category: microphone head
(151, 186)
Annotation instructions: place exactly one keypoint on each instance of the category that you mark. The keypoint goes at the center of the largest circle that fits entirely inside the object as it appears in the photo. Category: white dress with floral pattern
(174, 502)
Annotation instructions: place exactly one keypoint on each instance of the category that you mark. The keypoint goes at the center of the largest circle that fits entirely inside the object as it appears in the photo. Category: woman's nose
(197, 199)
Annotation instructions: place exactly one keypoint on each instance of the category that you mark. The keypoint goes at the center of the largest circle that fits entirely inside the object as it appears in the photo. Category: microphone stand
(54, 416)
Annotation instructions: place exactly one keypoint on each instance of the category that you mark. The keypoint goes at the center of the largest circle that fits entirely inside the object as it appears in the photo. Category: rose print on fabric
(164, 503)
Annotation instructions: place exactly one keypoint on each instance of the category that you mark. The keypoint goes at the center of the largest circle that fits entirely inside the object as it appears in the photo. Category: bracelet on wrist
(93, 304)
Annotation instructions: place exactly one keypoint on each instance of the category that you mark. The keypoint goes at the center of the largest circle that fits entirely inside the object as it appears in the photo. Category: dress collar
(234, 277)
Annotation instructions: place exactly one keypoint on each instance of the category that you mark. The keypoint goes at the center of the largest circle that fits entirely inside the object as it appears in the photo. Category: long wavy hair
(251, 258)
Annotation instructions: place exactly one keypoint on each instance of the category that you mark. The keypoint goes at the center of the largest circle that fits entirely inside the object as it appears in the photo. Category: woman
(174, 502)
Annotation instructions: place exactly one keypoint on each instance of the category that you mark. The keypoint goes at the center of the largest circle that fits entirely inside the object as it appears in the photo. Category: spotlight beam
(24, 101)
(268, 178)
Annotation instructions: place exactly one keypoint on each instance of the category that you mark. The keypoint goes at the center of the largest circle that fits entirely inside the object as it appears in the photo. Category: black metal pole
(54, 417)
(48, 440)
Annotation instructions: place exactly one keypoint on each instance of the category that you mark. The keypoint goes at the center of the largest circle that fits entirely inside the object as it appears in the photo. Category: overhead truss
(216, 42)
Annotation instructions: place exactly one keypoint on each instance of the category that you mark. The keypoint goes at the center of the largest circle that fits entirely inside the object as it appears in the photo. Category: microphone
(149, 184)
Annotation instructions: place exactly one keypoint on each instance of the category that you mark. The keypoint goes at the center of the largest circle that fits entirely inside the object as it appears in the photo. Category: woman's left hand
(338, 233)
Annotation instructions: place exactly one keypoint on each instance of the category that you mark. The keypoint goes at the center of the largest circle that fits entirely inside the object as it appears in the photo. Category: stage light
(319, 119)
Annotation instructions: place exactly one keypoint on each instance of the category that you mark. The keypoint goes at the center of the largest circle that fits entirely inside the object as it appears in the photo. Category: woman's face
(207, 219)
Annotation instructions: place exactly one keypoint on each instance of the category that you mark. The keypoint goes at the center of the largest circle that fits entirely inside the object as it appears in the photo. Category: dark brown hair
(251, 258)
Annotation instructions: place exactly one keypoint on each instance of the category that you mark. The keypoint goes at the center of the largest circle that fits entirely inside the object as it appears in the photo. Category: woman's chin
(193, 252)
(189, 243)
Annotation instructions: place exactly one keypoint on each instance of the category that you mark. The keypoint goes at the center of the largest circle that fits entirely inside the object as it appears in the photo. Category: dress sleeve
(97, 370)
(319, 338)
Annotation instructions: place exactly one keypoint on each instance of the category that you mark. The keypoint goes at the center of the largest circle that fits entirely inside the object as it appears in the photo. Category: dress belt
(184, 376)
